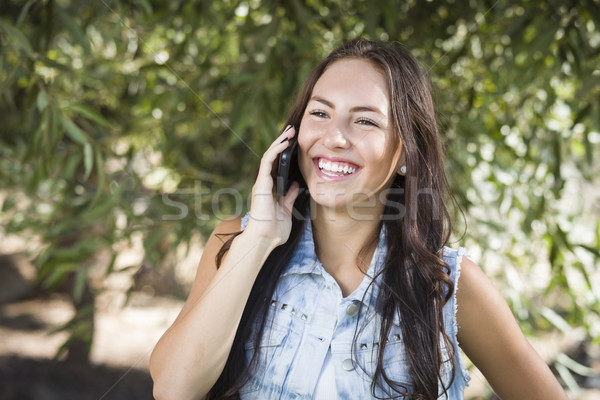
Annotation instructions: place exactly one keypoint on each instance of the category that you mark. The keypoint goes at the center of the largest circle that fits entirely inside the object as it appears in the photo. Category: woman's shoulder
(454, 258)
(467, 274)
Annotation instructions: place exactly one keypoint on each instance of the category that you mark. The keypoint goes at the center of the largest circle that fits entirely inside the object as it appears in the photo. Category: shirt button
(352, 310)
(348, 364)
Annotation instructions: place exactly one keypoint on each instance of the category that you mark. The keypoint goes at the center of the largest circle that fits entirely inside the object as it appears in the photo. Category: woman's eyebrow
(353, 109)
(323, 101)
(367, 108)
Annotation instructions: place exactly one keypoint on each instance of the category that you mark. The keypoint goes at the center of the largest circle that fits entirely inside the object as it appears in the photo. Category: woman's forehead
(354, 82)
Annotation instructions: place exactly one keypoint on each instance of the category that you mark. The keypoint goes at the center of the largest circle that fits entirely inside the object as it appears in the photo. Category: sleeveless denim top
(308, 316)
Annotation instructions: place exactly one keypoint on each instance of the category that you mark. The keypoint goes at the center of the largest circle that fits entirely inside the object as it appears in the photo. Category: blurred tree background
(143, 120)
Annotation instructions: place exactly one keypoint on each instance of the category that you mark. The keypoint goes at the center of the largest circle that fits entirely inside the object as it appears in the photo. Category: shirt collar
(305, 261)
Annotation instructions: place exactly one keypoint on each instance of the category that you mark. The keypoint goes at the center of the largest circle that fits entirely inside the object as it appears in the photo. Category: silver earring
(403, 169)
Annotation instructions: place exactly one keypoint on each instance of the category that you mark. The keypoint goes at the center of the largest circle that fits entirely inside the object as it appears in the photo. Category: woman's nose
(335, 138)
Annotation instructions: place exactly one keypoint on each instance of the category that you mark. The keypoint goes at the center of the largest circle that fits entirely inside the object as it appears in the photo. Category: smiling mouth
(336, 168)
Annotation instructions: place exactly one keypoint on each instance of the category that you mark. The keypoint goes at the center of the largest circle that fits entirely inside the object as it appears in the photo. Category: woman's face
(347, 146)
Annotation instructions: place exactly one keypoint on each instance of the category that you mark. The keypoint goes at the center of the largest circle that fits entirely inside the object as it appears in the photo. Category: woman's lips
(334, 169)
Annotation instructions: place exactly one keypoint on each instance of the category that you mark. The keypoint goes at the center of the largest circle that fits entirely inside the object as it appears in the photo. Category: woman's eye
(366, 121)
(318, 113)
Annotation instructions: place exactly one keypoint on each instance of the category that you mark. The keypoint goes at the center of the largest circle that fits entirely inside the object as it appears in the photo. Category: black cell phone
(286, 158)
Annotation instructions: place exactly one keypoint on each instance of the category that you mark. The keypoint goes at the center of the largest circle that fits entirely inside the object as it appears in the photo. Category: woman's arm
(190, 356)
(492, 339)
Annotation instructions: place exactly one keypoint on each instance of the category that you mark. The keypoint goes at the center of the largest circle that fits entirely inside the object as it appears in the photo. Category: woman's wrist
(265, 240)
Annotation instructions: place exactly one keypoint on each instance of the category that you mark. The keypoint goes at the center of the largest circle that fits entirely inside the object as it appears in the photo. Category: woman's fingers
(269, 217)
(287, 133)
(267, 161)
(274, 150)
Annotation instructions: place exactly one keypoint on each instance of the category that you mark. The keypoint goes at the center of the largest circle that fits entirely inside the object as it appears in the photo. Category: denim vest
(308, 315)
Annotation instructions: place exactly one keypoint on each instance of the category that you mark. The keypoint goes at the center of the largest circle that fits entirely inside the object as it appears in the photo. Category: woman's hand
(270, 219)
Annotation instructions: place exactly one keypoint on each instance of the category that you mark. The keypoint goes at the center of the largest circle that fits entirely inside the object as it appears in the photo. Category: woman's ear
(401, 169)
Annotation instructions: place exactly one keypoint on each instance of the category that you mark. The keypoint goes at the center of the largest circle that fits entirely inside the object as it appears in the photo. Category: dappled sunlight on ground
(126, 337)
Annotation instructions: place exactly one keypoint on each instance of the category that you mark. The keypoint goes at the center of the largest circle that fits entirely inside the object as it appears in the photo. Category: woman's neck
(340, 237)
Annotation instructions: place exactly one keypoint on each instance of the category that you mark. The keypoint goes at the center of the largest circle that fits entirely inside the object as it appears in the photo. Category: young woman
(344, 288)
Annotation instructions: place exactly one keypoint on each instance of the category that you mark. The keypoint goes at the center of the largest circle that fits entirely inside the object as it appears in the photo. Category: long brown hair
(416, 282)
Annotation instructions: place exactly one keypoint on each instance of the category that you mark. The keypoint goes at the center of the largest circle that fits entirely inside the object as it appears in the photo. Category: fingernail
(287, 128)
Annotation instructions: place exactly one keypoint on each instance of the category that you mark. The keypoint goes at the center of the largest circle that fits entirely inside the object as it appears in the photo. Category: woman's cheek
(310, 133)
(305, 140)
(304, 160)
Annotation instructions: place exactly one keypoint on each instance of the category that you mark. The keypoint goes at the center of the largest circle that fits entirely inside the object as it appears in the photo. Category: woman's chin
(330, 200)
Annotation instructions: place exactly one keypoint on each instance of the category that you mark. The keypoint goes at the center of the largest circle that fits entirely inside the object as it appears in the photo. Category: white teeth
(328, 166)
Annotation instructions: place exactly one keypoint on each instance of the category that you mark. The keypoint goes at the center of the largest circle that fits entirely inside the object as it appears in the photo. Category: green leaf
(63, 348)
(90, 114)
(111, 265)
(80, 283)
(41, 101)
(54, 64)
(81, 313)
(100, 210)
(19, 40)
(58, 274)
(75, 30)
(146, 6)
(73, 131)
(24, 11)
(592, 250)
(589, 85)
(101, 176)
(88, 160)
(556, 320)
(567, 377)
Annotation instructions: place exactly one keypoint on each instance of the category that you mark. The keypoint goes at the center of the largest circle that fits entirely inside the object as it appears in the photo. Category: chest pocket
(395, 364)
(270, 352)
